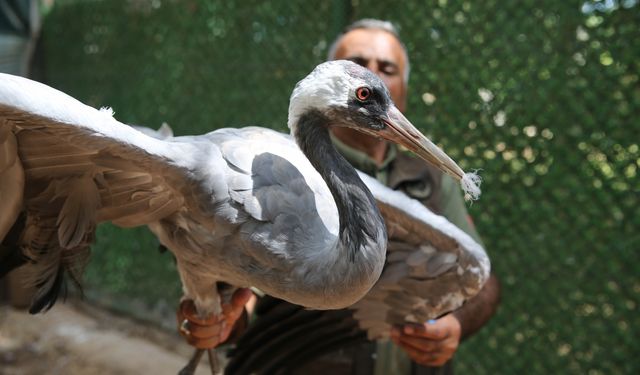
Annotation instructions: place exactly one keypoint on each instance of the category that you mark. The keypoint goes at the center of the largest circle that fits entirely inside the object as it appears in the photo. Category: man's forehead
(371, 44)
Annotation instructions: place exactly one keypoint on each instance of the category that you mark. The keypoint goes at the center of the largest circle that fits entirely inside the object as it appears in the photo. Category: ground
(74, 338)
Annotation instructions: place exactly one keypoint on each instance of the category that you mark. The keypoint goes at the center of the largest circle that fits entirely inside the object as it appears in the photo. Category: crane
(432, 267)
(246, 207)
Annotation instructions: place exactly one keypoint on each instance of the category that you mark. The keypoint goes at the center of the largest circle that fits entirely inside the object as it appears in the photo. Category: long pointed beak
(399, 130)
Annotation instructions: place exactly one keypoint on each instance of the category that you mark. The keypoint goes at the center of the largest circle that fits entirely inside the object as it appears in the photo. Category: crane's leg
(201, 322)
(200, 319)
(214, 365)
(202, 333)
(190, 368)
(206, 331)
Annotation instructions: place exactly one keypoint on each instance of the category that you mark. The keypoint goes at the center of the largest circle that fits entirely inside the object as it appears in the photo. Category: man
(375, 44)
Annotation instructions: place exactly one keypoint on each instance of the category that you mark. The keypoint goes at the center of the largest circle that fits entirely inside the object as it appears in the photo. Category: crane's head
(352, 96)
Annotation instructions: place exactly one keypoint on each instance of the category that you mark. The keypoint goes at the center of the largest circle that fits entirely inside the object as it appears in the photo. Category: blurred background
(541, 96)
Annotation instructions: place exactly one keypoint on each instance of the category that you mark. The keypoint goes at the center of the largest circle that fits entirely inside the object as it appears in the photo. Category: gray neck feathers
(360, 219)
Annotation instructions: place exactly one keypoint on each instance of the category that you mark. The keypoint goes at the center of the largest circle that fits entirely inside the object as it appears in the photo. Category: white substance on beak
(470, 183)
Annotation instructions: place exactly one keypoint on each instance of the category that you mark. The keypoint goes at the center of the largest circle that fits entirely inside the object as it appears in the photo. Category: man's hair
(372, 24)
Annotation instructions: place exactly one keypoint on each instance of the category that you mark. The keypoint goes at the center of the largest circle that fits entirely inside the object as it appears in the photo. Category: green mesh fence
(541, 95)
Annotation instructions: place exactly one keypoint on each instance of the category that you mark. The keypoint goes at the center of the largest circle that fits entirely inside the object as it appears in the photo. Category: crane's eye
(363, 93)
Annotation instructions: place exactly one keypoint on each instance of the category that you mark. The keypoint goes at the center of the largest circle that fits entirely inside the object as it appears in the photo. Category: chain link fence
(542, 96)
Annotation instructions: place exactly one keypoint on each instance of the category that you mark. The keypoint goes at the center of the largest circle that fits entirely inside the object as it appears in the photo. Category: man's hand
(213, 330)
(429, 344)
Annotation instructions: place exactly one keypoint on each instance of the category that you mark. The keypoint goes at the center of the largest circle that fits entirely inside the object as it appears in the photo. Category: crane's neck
(361, 230)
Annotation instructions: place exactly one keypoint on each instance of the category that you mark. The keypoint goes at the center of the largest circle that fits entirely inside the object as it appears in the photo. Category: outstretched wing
(432, 268)
(64, 167)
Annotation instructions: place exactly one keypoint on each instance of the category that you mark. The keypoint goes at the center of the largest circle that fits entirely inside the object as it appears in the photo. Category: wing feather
(68, 167)
(11, 180)
(77, 216)
(432, 266)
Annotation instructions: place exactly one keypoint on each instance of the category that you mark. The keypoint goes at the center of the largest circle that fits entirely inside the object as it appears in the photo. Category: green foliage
(542, 96)
(129, 273)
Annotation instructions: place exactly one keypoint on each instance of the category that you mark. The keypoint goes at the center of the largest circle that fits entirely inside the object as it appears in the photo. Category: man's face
(380, 52)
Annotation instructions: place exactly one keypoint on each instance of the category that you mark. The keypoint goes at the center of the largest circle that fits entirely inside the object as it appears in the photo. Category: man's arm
(479, 309)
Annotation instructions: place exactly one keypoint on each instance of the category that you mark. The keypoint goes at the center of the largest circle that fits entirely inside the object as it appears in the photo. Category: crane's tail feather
(48, 293)
(51, 273)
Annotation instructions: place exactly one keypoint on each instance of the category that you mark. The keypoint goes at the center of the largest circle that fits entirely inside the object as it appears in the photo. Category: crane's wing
(64, 167)
(432, 268)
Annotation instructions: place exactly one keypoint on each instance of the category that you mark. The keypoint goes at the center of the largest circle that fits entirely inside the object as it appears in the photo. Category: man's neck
(375, 148)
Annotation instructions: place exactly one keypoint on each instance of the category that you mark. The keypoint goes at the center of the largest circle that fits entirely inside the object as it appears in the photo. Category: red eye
(363, 93)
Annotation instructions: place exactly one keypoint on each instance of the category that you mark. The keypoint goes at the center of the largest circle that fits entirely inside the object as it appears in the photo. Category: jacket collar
(363, 162)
